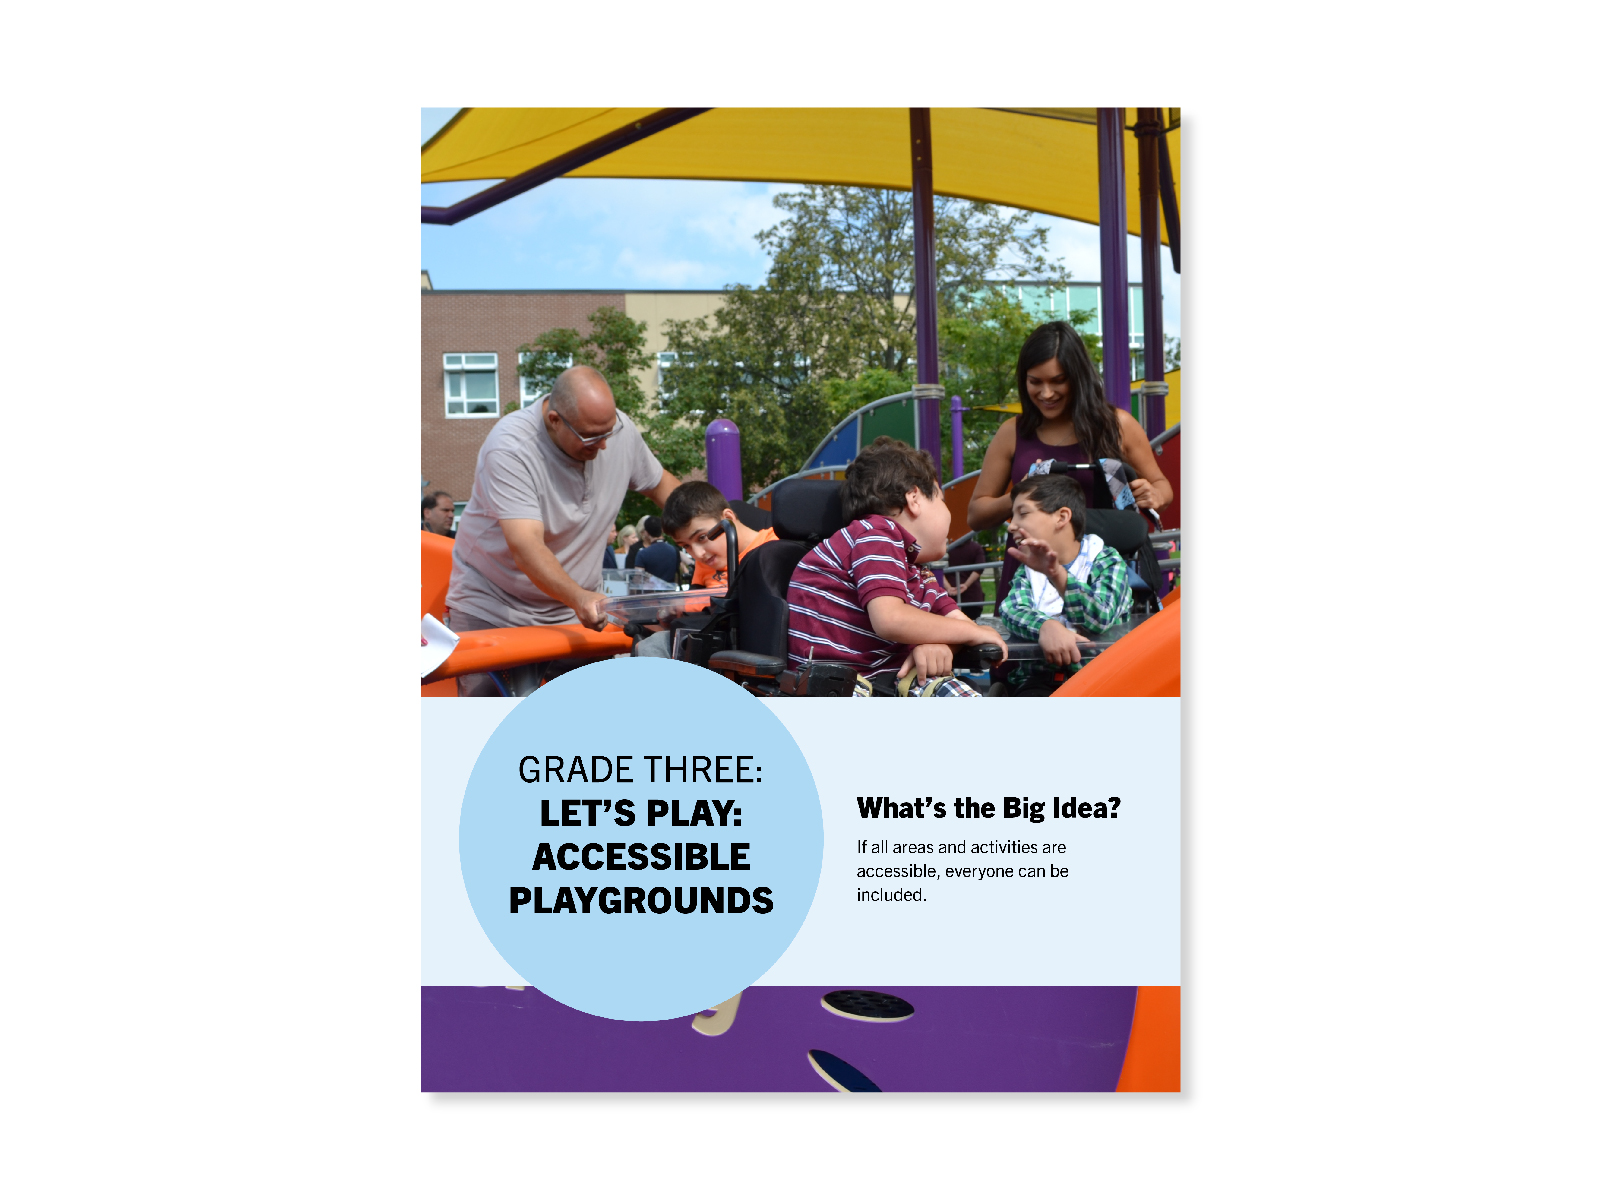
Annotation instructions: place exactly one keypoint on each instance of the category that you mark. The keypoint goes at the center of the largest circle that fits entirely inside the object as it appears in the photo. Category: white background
(1389, 798)
(1114, 919)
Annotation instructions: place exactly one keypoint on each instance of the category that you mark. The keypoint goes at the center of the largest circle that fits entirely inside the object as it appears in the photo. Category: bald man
(549, 482)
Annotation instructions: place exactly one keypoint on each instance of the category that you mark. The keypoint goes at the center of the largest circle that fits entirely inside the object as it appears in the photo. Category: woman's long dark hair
(1094, 420)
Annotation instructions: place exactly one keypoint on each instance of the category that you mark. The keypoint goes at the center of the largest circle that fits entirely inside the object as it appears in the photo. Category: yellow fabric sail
(1039, 159)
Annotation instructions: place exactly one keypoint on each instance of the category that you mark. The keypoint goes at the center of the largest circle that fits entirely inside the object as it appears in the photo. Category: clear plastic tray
(657, 608)
(631, 581)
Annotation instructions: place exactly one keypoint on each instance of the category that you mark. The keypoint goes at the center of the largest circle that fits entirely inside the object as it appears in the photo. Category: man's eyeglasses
(587, 442)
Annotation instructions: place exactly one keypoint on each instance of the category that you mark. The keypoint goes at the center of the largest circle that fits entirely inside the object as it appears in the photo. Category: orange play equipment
(1144, 663)
(500, 649)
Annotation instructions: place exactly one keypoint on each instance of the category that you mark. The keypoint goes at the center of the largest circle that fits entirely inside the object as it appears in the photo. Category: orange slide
(498, 649)
(1145, 663)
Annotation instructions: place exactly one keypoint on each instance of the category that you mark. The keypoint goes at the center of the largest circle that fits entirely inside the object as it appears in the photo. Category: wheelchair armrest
(975, 658)
(746, 663)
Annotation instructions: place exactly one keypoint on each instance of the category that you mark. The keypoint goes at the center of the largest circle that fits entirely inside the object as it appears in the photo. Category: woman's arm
(1151, 490)
(991, 504)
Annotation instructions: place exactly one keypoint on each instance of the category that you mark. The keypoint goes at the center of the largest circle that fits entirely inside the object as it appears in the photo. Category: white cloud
(647, 270)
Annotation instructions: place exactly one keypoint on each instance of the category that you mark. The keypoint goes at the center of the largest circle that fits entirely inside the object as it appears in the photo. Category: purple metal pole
(923, 298)
(1149, 131)
(956, 438)
(580, 156)
(722, 459)
(1114, 257)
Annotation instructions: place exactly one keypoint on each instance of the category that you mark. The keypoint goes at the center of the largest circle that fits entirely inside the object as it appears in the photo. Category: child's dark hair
(879, 477)
(1051, 493)
(688, 501)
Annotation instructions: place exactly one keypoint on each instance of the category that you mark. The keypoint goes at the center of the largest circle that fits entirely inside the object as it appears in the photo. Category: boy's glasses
(587, 442)
(704, 537)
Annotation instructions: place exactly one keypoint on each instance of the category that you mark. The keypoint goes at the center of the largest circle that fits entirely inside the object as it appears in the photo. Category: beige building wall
(655, 308)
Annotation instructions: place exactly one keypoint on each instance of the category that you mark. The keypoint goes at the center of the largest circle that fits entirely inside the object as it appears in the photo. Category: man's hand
(1060, 644)
(929, 660)
(591, 609)
(1032, 552)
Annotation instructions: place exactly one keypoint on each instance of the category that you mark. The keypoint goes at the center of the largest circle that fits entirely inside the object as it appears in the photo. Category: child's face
(705, 540)
(928, 520)
(1030, 520)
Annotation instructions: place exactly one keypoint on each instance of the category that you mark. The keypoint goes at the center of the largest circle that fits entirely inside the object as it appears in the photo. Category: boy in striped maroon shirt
(860, 598)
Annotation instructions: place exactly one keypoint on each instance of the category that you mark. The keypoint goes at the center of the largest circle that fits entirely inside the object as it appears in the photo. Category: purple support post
(1149, 131)
(1114, 257)
(927, 390)
(956, 438)
(722, 459)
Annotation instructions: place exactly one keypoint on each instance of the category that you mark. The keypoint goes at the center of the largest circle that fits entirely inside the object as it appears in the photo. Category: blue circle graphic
(641, 839)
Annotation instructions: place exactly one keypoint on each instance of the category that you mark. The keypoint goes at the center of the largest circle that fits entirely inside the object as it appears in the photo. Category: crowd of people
(539, 530)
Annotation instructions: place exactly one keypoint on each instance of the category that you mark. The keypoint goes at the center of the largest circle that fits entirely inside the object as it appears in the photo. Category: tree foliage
(831, 327)
(614, 344)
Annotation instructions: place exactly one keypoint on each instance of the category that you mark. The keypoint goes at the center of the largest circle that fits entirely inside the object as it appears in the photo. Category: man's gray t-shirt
(523, 473)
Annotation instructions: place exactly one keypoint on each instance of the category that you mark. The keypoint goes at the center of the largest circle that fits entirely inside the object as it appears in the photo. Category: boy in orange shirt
(693, 517)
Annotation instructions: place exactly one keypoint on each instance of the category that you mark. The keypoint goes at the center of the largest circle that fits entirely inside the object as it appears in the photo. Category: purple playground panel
(960, 1039)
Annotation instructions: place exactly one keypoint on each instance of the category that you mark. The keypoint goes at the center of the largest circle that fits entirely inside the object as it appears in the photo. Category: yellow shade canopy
(1043, 159)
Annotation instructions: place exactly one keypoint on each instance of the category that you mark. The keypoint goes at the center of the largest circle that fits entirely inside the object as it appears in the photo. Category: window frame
(463, 369)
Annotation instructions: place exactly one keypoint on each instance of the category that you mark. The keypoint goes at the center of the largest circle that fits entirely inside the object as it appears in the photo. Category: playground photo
(920, 459)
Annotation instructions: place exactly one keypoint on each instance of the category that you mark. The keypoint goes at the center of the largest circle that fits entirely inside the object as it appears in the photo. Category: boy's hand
(1060, 644)
(982, 634)
(929, 660)
(1032, 552)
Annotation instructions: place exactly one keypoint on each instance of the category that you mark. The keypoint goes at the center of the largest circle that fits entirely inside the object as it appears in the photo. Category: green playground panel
(891, 420)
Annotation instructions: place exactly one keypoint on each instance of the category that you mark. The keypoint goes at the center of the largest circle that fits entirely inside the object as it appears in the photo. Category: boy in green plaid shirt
(1068, 579)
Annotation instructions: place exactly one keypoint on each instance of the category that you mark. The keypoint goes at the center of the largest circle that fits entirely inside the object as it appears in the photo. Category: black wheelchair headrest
(807, 510)
(1123, 529)
(750, 516)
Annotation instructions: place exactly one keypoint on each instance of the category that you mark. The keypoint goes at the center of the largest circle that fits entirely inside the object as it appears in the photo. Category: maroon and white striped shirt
(828, 594)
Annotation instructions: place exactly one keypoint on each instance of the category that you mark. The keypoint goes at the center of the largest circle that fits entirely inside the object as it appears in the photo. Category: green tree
(979, 344)
(614, 345)
(831, 327)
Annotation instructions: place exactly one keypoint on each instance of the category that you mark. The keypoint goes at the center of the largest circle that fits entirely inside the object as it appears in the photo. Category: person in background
(439, 514)
(654, 553)
(966, 587)
(627, 539)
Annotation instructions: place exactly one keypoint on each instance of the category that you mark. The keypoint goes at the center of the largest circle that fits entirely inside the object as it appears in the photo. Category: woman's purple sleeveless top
(1028, 452)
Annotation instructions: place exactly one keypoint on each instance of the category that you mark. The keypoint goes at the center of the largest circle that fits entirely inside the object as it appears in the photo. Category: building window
(472, 385)
(528, 390)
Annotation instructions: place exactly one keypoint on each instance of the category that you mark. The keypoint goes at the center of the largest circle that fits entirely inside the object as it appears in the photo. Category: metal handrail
(807, 474)
(1165, 434)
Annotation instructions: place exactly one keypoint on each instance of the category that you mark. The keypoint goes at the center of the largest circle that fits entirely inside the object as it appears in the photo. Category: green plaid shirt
(1101, 601)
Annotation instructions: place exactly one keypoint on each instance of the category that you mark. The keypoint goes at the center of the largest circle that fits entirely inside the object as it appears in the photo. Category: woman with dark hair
(1065, 416)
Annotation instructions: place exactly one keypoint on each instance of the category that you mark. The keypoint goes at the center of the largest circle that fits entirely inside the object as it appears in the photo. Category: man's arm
(526, 541)
(662, 490)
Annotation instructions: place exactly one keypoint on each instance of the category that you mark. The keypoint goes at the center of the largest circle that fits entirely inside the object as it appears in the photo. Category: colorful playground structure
(1091, 165)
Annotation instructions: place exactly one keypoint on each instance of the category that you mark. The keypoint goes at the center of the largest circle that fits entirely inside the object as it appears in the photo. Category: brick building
(469, 359)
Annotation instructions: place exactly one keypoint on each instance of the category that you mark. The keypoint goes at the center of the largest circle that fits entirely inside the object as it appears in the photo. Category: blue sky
(655, 233)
